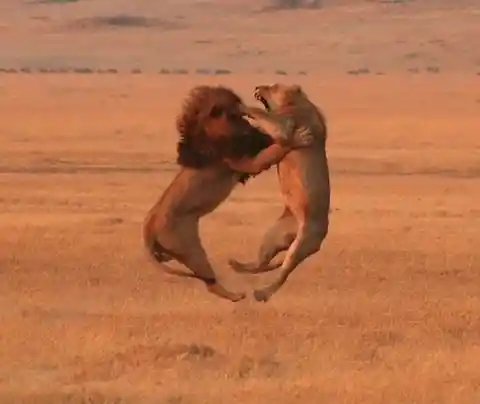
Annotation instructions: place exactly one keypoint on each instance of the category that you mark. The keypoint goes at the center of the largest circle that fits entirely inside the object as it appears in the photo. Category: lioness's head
(292, 101)
(277, 96)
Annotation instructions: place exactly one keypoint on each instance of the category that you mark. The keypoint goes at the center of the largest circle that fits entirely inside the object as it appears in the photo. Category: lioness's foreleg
(277, 239)
(277, 126)
(307, 242)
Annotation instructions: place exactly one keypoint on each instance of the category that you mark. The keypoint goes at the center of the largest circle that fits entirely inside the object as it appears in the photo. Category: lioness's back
(304, 174)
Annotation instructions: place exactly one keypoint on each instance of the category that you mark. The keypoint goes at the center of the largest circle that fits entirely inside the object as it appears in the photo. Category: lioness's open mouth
(258, 97)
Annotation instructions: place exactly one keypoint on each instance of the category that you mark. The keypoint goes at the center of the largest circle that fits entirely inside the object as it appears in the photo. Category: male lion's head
(212, 126)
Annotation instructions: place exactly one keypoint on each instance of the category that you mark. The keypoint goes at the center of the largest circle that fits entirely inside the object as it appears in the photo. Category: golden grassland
(387, 312)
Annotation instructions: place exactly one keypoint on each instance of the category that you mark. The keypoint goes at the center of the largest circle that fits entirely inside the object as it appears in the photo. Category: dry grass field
(389, 310)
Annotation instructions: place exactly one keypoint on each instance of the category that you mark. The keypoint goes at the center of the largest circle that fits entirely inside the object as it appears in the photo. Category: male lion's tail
(158, 252)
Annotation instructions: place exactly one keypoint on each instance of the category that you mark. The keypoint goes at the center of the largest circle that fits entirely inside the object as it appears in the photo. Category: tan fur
(304, 181)
(212, 131)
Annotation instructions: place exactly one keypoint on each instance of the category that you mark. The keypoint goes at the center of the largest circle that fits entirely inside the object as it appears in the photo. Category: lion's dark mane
(195, 149)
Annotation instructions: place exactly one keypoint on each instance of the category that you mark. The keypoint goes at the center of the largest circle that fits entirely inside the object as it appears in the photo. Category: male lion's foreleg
(277, 239)
(307, 242)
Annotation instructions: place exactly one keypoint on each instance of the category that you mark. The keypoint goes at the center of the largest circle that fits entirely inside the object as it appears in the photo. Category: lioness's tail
(158, 252)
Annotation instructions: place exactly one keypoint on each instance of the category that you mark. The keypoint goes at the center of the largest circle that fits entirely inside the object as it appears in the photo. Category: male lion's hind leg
(197, 261)
(194, 257)
(161, 255)
(307, 242)
(158, 253)
(277, 239)
(187, 249)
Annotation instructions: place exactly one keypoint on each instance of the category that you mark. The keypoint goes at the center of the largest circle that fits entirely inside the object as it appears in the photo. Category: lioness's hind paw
(240, 296)
(235, 265)
(240, 267)
(261, 296)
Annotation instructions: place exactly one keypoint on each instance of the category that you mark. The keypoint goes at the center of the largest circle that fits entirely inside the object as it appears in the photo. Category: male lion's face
(226, 119)
(277, 95)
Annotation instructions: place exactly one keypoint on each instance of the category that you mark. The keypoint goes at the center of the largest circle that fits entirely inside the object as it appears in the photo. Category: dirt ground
(387, 312)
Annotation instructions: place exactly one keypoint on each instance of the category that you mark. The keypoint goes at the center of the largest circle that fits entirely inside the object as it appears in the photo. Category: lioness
(304, 181)
(217, 149)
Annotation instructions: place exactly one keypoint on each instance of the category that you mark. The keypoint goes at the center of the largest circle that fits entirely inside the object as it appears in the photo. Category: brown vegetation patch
(122, 21)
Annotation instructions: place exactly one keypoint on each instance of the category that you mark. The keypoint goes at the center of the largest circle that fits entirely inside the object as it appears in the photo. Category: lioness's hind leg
(307, 242)
(277, 239)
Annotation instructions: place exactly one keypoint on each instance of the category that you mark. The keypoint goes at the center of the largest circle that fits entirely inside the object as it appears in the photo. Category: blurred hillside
(243, 35)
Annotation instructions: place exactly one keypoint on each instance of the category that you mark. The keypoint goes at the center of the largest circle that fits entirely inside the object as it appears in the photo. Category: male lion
(304, 181)
(217, 149)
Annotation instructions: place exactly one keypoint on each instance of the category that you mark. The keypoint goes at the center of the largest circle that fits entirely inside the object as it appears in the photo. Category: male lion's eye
(216, 112)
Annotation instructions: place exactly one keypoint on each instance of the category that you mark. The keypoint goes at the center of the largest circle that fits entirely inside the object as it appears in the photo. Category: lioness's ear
(296, 89)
